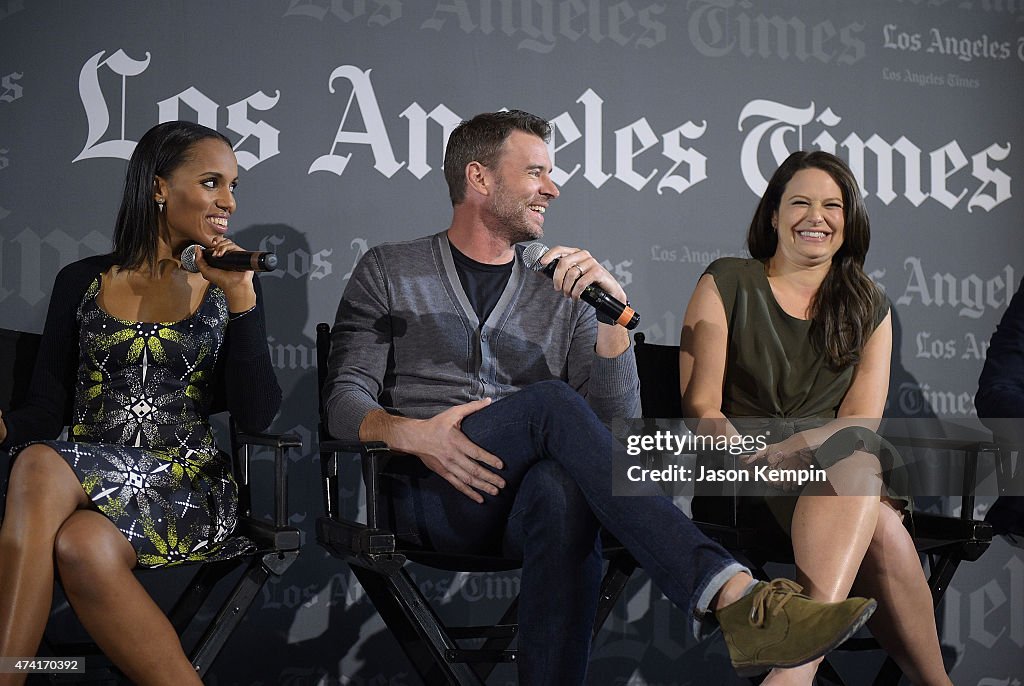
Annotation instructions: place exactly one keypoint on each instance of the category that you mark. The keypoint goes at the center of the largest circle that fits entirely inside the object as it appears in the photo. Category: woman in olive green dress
(795, 343)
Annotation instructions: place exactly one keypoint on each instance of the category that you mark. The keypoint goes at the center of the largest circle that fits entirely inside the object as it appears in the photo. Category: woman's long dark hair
(843, 310)
(160, 151)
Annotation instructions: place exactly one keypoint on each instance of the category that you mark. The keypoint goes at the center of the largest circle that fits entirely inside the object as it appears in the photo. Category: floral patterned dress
(141, 440)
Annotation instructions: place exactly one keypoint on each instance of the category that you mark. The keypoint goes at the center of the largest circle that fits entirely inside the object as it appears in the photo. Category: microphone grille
(532, 255)
(188, 258)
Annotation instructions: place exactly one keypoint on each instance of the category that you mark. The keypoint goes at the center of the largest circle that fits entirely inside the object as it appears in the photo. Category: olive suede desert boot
(776, 626)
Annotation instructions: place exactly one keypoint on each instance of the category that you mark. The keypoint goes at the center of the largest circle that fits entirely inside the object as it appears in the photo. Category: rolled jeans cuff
(704, 623)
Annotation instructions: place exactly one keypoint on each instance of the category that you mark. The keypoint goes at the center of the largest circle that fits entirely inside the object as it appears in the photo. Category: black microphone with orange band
(619, 313)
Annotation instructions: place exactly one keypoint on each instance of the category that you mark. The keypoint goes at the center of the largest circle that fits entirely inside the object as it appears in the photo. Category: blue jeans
(557, 459)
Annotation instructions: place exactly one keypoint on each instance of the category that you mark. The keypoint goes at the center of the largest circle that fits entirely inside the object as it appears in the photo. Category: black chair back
(658, 369)
(715, 511)
(18, 351)
(323, 352)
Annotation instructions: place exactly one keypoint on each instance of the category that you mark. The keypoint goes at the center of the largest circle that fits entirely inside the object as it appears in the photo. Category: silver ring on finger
(580, 270)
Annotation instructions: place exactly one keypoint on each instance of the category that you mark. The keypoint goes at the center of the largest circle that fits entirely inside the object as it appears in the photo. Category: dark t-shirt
(483, 283)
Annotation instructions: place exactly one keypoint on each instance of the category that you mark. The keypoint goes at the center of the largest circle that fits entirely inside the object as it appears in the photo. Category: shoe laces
(773, 596)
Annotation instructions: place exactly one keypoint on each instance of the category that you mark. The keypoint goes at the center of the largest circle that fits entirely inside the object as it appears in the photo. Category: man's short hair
(480, 139)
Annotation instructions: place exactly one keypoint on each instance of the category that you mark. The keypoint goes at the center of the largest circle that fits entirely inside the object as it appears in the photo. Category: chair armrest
(362, 544)
(281, 444)
(374, 457)
(942, 443)
(359, 448)
(269, 440)
(971, 449)
(267, 536)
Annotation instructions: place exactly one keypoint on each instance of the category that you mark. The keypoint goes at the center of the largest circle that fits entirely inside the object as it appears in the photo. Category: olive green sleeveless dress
(777, 384)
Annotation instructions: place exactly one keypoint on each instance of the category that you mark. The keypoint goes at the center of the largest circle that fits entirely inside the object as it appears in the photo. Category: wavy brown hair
(843, 309)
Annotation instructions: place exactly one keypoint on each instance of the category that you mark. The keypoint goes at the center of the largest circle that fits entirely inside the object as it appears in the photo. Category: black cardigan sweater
(244, 379)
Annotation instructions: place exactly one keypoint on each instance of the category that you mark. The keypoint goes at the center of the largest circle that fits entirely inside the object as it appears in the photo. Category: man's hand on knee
(445, 450)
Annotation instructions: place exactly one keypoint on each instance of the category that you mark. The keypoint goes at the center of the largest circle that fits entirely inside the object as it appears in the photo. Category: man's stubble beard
(511, 220)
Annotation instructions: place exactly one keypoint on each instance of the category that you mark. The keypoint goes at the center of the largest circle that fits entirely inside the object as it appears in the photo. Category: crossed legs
(41, 494)
(558, 474)
(845, 542)
(45, 520)
(904, 623)
(553, 530)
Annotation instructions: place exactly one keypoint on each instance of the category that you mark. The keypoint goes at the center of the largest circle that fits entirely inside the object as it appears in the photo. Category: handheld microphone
(236, 261)
(594, 295)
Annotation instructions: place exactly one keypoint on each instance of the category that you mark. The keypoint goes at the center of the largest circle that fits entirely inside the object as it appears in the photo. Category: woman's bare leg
(95, 562)
(831, 533)
(904, 623)
(42, 493)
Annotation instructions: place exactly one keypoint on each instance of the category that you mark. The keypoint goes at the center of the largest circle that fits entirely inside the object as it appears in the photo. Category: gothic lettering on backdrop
(630, 140)
(775, 124)
(291, 356)
(360, 246)
(97, 112)
(717, 28)
(626, 23)
(40, 254)
(4, 213)
(10, 92)
(971, 615)
(301, 264)
(538, 26)
(375, 135)
(383, 13)
(297, 263)
(935, 41)
(944, 162)
(970, 296)
(920, 399)
(970, 346)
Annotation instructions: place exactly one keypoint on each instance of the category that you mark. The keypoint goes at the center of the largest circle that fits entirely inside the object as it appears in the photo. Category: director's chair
(944, 540)
(276, 543)
(380, 559)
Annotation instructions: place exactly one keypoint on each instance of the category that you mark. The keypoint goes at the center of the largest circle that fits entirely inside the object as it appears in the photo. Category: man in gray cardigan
(502, 384)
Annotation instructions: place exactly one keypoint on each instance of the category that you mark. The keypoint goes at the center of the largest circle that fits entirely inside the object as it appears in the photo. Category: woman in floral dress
(142, 349)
